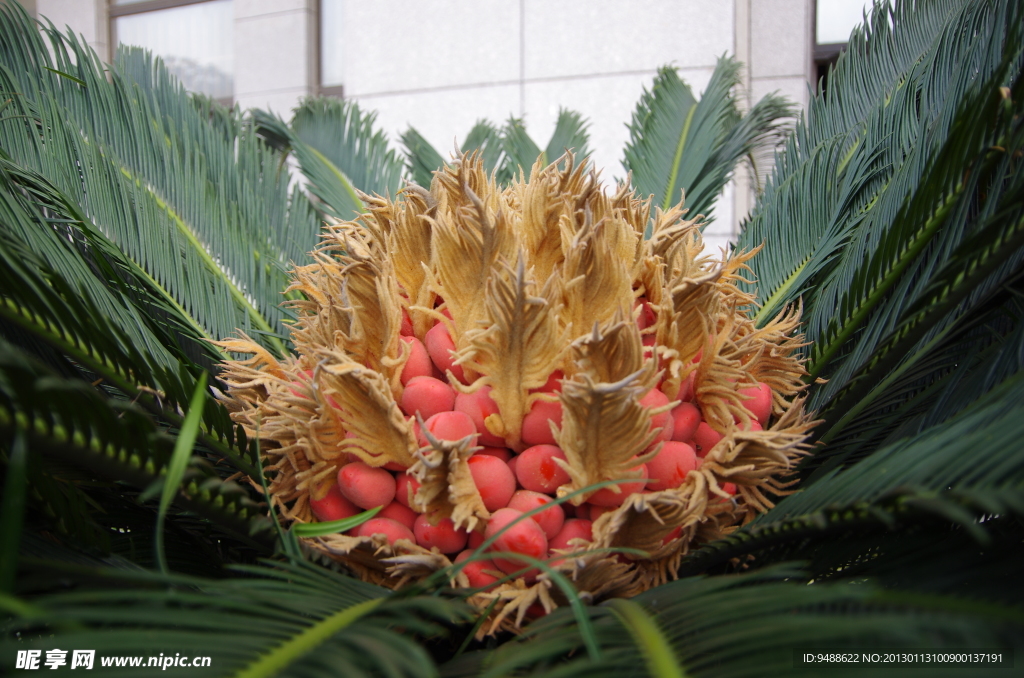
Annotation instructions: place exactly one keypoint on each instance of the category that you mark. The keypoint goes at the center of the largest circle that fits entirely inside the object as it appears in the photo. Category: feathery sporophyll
(465, 354)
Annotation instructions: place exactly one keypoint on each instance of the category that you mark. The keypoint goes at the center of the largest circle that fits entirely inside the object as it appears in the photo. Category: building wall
(442, 65)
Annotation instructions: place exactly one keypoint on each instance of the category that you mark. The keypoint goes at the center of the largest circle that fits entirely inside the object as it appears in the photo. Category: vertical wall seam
(522, 59)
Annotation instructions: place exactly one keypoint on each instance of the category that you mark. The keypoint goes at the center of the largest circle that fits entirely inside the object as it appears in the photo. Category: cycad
(131, 239)
(549, 280)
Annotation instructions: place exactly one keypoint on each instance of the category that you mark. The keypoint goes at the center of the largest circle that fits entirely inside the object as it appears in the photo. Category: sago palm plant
(157, 486)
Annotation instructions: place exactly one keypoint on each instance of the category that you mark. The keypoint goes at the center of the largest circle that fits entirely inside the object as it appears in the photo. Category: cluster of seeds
(468, 354)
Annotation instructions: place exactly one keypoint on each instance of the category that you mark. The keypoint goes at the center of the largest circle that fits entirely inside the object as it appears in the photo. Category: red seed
(550, 520)
(669, 468)
(552, 385)
(479, 406)
(333, 506)
(760, 403)
(672, 535)
(686, 419)
(647, 316)
(399, 513)
(502, 453)
(493, 479)
(608, 497)
(449, 426)
(705, 438)
(406, 329)
(428, 396)
(443, 535)
(481, 573)
(536, 429)
(391, 530)
(418, 364)
(440, 347)
(405, 489)
(596, 512)
(664, 421)
(365, 486)
(537, 470)
(512, 463)
(475, 539)
(574, 528)
(525, 537)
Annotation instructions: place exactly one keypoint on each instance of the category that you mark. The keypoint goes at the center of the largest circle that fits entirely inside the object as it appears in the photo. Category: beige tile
(282, 102)
(443, 117)
(402, 45)
(780, 37)
(579, 37)
(270, 53)
(795, 88)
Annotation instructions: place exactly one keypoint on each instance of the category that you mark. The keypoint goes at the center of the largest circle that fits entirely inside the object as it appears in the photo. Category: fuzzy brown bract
(541, 276)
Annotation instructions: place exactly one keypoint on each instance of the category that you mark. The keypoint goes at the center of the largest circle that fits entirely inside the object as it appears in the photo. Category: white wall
(440, 65)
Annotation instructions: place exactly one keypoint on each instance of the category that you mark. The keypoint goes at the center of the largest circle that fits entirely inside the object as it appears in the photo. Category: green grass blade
(179, 460)
(654, 646)
(280, 657)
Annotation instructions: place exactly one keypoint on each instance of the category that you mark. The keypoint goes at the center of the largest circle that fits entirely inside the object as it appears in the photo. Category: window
(834, 19)
(331, 55)
(195, 38)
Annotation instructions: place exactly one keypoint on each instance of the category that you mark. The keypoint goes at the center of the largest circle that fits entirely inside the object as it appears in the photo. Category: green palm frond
(339, 152)
(421, 158)
(296, 619)
(750, 625)
(806, 213)
(146, 176)
(506, 151)
(71, 422)
(679, 145)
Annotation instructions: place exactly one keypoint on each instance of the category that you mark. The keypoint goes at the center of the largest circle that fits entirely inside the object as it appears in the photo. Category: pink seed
(493, 479)
(525, 537)
(669, 468)
(392, 530)
(705, 438)
(405, 489)
(686, 419)
(443, 535)
(365, 486)
(550, 520)
(333, 506)
(406, 329)
(672, 535)
(418, 364)
(502, 453)
(552, 385)
(440, 347)
(760, 403)
(537, 470)
(449, 426)
(607, 496)
(536, 430)
(574, 528)
(479, 406)
(664, 421)
(481, 573)
(428, 396)
(399, 513)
